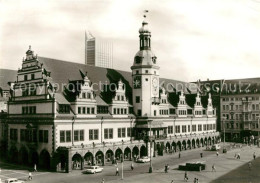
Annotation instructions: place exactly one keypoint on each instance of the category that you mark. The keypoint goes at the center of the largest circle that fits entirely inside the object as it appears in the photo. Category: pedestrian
(254, 155)
(132, 166)
(30, 176)
(35, 168)
(117, 171)
(195, 180)
(172, 181)
(238, 155)
(165, 169)
(235, 155)
(201, 155)
(179, 155)
(213, 168)
(217, 153)
(186, 176)
(249, 165)
(103, 181)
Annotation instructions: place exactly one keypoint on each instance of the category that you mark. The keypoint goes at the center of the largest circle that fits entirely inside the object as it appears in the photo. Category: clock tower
(145, 76)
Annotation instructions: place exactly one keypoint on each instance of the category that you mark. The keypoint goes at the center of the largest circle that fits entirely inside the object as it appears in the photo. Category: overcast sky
(192, 39)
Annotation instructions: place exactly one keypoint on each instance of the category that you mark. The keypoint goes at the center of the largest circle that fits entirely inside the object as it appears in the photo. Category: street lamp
(223, 121)
(102, 120)
(150, 168)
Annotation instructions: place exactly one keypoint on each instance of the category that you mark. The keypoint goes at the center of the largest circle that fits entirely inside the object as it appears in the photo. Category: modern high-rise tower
(98, 52)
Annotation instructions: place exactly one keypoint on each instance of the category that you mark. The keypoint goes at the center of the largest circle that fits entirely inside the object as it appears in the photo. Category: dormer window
(122, 98)
(118, 97)
(83, 95)
(138, 60)
(154, 60)
(88, 95)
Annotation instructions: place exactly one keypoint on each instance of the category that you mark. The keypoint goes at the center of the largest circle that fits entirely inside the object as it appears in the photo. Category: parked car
(143, 159)
(15, 180)
(215, 147)
(93, 169)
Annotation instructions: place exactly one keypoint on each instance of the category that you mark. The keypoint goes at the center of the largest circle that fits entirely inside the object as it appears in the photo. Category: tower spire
(145, 34)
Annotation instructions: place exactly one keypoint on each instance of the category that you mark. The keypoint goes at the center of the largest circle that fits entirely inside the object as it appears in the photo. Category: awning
(155, 124)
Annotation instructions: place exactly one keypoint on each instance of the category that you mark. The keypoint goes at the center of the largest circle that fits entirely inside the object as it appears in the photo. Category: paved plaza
(228, 169)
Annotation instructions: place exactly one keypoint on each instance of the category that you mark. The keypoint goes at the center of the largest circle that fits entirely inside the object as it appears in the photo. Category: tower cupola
(145, 36)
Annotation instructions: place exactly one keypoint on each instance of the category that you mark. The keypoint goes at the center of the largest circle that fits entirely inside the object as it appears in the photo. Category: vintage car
(93, 169)
(15, 180)
(143, 159)
(215, 147)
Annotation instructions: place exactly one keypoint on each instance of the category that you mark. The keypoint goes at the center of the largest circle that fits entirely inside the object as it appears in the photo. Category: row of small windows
(164, 112)
(31, 91)
(26, 77)
(30, 135)
(146, 72)
(239, 107)
(239, 99)
(65, 109)
(82, 110)
(164, 101)
(65, 135)
(182, 112)
(120, 97)
(184, 129)
(240, 116)
(29, 110)
(86, 95)
(198, 112)
(120, 111)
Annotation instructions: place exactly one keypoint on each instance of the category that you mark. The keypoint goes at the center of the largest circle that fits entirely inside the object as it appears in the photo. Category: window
(188, 128)
(88, 110)
(43, 136)
(32, 76)
(199, 128)
(170, 129)
(172, 111)
(139, 112)
(204, 127)
(137, 99)
(88, 95)
(114, 110)
(125, 111)
(84, 110)
(137, 72)
(76, 135)
(79, 110)
(83, 95)
(108, 133)
(62, 136)
(194, 128)
(25, 92)
(146, 71)
(184, 128)
(25, 78)
(65, 109)
(121, 132)
(128, 132)
(68, 136)
(154, 112)
(146, 79)
(93, 134)
(32, 90)
(138, 60)
(13, 134)
(122, 98)
(92, 110)
(29, 110)
(177, 129)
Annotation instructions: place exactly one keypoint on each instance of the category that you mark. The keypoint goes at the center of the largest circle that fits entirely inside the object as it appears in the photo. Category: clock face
(155, 82)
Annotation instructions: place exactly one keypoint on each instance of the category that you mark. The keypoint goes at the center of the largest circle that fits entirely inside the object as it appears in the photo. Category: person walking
(254, 155)
(186, 176)
(201, 155)
(213, 168)
(195, 180)
(103, 180)
(249, 165)
(179, 155)
(217, 153)
(132, 166)
(117, 171)
(172, 181)
(30, 176)
(238, 155)
(165, 169)
(35, 168)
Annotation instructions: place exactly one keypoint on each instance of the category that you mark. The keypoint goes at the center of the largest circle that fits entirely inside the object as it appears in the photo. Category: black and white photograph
(129, 91)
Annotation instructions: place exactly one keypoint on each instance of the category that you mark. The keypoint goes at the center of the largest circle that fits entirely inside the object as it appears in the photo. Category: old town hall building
(62, 115)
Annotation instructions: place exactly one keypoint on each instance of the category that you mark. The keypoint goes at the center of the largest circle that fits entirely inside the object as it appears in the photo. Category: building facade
(98, 52)
(60, 117)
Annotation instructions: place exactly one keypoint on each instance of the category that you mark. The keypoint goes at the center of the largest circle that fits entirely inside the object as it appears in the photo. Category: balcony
(156, 100)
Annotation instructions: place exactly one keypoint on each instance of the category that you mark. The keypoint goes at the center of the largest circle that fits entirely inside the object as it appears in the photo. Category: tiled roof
(7, 75)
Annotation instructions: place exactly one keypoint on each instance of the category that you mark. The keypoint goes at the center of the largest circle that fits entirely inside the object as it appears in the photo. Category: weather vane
(145, 12)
